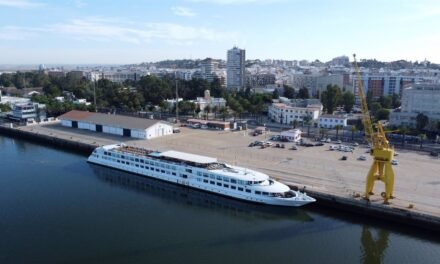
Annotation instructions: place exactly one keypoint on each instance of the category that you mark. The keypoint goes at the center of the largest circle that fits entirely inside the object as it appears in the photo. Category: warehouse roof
(127, 122)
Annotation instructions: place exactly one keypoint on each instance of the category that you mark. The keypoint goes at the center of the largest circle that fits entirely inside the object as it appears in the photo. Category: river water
(57, 208)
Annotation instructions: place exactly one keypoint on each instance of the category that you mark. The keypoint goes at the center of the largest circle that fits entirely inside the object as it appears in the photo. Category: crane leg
(389, 181)
(370, 181)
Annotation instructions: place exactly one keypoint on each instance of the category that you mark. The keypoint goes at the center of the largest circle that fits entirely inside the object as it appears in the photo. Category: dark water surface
(57, 208)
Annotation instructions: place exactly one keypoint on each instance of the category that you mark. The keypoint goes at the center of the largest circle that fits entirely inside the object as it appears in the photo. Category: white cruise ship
(199, 172)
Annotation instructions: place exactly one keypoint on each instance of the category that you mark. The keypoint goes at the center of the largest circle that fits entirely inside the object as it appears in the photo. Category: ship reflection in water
(193, 197)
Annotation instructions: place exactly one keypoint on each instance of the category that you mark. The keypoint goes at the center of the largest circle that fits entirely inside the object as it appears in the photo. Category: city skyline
(94, 32)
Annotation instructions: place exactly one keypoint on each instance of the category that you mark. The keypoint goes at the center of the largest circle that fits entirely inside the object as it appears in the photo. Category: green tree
(303, 93)
(275, 94)
(375, 107)
(382, 114)
(421, 121)
(289, 92)
(385, 101)
(5, 108)
(198, 110)
(348, 101)
(330, 98)
(223, 112)
(395, 101)
(307, 121)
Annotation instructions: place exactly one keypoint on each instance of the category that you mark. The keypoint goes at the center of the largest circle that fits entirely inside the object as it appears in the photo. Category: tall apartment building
(235, 69)
(418, 98)
(316, 83)
(209, 68)
(260, 79)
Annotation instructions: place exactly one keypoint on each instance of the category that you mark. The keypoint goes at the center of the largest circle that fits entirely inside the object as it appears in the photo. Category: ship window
(132, 159)
(219, 178)
(185, 176)
(142, 161)
(168, 172)
(226, 179)
(142, 167)
(174, 167)
(240, 189)
(199, 173)
(122, 157)
(206, 181)
(233, 181)
(162, 171)
(137, 160)
(233, 187)
(212, 176)
(173, 173)
(205, 175)
(146, 167)
(137, 165)
(151, 168)
(212, 182)
(257, 192)
(219, 183)
(118, 161)
(157, 169)
(248, 191)
(188, 170)
(265, 193)
(226, 185)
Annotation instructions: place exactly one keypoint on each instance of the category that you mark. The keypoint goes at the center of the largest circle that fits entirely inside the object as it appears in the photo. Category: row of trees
(333, 97)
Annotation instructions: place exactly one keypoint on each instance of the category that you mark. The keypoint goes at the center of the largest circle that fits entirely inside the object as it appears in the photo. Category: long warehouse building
(116, 124)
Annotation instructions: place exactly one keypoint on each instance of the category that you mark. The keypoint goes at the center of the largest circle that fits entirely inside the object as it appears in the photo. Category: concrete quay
(335, 183)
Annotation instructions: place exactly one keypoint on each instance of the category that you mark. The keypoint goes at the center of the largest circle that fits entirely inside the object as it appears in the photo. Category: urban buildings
(28, 112)
(235, 69)
(287, 111)
(417, 98)
(260, 79)
(331, 121)
(316, 83)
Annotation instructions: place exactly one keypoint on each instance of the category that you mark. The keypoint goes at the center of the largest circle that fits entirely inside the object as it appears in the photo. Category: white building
(235, 67)
(316, 83)
(286, 114)
(203, 102)
(292, 135)
(331, 121)
(418, 98)
(28, 112)
(116, 125)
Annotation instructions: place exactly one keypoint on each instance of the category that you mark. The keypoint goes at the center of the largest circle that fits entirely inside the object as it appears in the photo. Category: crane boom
(366, 119)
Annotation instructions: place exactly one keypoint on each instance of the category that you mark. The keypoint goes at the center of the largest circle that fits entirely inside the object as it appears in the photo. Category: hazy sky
(133, 31)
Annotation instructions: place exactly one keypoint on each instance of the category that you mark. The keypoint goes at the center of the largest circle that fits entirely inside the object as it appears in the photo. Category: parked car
(434, 153)
(355, 144)
(338, 142)
(344, 158)
(362, 157)
(294, 147)
(394, 162)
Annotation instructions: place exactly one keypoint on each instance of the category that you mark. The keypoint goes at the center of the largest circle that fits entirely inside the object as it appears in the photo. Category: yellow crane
(381, 151)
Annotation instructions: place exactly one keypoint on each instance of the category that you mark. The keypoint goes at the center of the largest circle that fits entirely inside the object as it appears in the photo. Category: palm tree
(337, 127)
(224, 112)
(215, 111)
(353, 130)
(207, 110)
(422, 137)
(404, 130)
(294, 123)
(307, 121)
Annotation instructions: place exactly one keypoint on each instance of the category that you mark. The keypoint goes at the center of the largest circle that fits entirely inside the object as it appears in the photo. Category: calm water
(57, 208)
